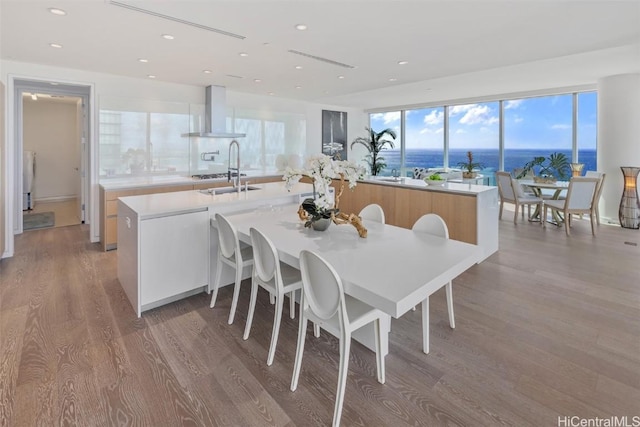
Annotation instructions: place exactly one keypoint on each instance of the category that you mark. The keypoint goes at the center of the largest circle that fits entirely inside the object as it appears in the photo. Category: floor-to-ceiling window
(475, 128)
(392, 156)
(587, 130)
(535, 126)
(424, 138)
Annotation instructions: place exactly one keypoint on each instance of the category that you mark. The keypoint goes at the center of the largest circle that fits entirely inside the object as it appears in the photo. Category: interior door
(83, 125)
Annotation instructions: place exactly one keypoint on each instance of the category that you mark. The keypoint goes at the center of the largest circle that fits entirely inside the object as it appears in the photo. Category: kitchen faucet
(236, 182)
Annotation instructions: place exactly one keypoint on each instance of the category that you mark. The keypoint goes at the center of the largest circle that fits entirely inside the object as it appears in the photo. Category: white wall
(3, 204)
(105, 85)
(618, 135)
(356, 118)
(50, 129)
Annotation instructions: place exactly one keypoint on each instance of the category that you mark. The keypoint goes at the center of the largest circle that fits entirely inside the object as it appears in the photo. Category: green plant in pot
(375, 142)
(547, 169)
(469, 167)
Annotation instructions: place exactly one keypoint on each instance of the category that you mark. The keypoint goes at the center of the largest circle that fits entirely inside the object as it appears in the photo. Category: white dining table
(392, 269)
(558, 187)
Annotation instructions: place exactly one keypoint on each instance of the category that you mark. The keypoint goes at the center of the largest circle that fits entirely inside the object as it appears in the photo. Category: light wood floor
(547, 327)
(66, 212)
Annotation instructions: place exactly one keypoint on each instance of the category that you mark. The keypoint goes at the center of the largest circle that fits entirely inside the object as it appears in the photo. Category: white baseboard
(56, 199)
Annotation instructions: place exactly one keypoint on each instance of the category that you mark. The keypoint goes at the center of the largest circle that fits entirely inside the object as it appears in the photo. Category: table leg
(537, 213)
(425, 325)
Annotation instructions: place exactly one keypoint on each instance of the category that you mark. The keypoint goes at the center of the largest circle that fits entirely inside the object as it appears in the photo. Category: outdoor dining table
(393, 269)
(537, 187)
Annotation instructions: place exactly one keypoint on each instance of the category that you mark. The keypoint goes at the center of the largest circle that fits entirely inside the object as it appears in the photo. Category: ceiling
(449, 45)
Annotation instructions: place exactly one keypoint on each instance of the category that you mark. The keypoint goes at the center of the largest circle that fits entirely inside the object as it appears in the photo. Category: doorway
(52, 124)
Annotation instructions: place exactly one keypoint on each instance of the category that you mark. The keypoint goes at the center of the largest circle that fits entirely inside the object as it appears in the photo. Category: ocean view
(513, 158)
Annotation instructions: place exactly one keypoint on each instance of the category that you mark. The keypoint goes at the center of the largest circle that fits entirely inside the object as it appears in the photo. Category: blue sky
(541, 122)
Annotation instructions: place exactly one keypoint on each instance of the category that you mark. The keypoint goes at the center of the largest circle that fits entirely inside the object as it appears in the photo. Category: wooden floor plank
(547, 327)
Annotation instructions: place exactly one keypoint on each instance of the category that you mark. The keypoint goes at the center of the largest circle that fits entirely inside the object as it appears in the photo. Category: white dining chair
(372, 212)
(580, 200)
(324, 302)
(230, 253)
(510, 191)
(601, 176)
(434, 224)
(277, 278)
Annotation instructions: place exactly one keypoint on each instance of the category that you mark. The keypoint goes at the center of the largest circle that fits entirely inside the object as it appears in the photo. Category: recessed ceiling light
(56, 11)
(403, 62)
(53, 83)
(56, 45)
(243, 54)
(298, 67)
(168, 37)
(207, 71)
(298, 87)
(143, 60)
(151, 76)
(393, 79)
(271, 93)
(341, 77)
(257, 80)
(301, 27)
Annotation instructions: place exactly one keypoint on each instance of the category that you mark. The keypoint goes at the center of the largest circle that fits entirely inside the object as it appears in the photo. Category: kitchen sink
(227, 190)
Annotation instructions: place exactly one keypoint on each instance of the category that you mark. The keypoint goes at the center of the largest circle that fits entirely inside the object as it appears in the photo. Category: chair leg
(425, 325)
(252, 309)
(302, 332)
(543, 217)
(515, 215)
(216, 283)
(276, 329)
(379, 355)
(316, 330)
(292, 304)
(236, 294)
(272, 298)
(449, 290)
(345, 346)
(598, 214)
(567, 223)
(591, 217)
(501, 206)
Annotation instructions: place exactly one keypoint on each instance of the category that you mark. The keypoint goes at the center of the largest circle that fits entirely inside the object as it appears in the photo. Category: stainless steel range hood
(215, 115)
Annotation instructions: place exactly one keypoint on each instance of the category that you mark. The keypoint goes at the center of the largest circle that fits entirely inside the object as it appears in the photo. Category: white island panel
(167, 242)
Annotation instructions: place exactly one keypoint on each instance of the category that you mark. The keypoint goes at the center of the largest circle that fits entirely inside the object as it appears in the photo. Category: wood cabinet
(471, 218)
(109, 202)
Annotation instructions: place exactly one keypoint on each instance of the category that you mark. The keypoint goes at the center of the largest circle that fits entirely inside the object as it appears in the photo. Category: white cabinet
(162, 259)
(174, 255)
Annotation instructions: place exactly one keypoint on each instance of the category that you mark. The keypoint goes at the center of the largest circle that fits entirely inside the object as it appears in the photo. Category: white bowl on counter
(439, 182)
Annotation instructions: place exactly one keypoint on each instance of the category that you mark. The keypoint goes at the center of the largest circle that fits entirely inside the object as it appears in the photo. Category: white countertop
(448, 187)
(153, 205)
(128, 182)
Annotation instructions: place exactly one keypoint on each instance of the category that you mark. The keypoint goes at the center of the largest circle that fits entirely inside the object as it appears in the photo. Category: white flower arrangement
(322, 170)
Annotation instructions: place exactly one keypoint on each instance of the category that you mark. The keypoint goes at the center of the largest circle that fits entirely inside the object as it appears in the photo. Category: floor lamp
(629, 213)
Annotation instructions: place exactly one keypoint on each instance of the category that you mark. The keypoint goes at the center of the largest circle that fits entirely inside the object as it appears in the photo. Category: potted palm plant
(547, 169)
(469, 167)
(375, 142)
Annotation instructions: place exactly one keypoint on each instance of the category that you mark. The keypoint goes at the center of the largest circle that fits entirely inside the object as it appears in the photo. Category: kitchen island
(113, 188)
(470, 211)
(166, 242)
